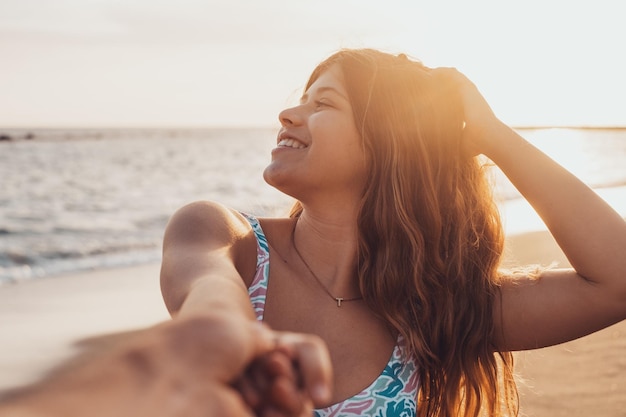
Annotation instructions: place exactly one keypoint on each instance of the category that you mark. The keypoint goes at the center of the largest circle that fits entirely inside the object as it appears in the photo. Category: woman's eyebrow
(324, 89)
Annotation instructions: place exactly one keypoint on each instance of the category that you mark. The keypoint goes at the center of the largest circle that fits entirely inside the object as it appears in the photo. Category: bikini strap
(258, 289)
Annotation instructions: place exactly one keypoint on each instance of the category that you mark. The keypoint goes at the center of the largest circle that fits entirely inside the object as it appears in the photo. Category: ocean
(77, 199)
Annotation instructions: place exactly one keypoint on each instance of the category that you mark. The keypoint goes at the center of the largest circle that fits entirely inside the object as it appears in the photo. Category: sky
(192, 63)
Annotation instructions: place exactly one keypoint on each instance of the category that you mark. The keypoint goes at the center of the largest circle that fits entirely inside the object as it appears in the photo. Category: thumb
(262, 340)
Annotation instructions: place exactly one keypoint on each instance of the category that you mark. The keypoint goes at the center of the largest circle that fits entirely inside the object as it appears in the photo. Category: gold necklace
(339, 300)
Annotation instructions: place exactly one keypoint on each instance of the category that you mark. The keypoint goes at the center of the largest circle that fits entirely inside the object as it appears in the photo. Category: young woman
(391, 254)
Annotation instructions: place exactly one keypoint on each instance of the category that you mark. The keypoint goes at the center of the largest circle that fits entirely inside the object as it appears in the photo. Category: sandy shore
(40, 319)
(581, 378)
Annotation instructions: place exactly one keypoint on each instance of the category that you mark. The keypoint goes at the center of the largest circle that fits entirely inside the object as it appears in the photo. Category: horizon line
(261, 126)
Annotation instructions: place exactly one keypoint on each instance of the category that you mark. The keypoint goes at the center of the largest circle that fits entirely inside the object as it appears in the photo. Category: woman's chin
(274, 177)
(281, 181)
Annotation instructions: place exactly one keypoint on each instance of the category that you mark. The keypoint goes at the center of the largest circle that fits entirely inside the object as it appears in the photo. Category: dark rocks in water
(7, 137)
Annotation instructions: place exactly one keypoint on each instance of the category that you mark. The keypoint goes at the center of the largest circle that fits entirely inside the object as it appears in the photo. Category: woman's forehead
(330, 79)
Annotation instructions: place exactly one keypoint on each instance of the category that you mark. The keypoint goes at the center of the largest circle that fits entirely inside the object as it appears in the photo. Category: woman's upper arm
(199, 254)
(557, 306)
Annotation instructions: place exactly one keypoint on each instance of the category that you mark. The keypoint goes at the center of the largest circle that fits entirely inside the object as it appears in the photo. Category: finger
(240, 358)
(250, 394)
(258, 377)
(313, 363)
(272, 381)
(263, 340)
(279, 364)
(286, 396)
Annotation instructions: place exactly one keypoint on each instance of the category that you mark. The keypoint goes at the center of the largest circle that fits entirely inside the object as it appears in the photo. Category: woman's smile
(291, 143)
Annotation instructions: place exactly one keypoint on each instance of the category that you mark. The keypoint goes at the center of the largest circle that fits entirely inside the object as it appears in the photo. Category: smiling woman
(392, 252)
(331, 156)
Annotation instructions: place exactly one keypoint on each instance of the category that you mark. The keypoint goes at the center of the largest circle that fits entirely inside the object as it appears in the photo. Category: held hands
(252, 370)
(205, 366)
(289, 380)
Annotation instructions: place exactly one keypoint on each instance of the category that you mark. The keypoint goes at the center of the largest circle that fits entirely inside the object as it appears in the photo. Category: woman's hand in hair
(480, 132)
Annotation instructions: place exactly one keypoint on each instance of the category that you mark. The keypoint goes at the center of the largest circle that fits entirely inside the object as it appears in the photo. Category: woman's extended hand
(290, 380)
(276, 374)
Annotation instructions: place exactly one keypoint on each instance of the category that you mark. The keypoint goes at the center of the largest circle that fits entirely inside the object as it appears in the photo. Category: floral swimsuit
(392, 394)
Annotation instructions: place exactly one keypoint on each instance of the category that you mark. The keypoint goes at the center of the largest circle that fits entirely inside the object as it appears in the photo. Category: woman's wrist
(496, 140)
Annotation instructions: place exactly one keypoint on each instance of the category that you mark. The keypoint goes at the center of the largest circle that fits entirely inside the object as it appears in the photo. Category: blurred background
(115, 113)
(159, 63)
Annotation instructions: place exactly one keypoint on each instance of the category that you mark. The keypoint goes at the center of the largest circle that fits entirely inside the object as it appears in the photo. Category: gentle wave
(84, 199)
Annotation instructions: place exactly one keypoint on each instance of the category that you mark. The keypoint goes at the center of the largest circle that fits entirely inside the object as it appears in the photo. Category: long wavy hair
(430, 238)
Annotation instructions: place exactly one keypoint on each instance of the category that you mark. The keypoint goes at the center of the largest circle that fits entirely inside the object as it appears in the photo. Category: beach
(82, 215)
(584, 377)
(43, 319)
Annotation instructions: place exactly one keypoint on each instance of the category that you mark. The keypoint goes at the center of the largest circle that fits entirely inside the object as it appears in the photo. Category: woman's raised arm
(564, 304)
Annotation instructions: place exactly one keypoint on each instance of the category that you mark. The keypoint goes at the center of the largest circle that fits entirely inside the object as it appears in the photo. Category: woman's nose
(290, 116)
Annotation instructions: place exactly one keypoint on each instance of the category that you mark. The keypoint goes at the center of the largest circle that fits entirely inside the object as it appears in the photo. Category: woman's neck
(329, 245)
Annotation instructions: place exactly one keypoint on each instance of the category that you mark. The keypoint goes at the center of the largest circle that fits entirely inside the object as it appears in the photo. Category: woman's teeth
(291, 143)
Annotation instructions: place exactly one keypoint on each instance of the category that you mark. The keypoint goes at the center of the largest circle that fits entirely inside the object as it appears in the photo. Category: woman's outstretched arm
(562, 304)
(207, 251)
(199, 268)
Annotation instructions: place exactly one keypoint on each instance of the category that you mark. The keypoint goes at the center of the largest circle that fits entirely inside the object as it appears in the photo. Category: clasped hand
(205, 366)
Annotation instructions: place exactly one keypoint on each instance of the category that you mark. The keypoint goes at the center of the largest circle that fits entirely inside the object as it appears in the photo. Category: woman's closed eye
(321, 104)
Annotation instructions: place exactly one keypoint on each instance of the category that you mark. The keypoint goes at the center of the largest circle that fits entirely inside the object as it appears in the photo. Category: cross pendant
(339, 300)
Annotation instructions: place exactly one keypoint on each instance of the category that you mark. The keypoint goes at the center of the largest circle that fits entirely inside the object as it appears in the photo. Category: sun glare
(537, 62)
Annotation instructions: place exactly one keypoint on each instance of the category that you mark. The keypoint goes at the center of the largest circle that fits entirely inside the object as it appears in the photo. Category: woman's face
(319, 148)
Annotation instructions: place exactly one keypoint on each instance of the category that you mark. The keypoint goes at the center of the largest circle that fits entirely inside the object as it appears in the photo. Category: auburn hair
(430, 238)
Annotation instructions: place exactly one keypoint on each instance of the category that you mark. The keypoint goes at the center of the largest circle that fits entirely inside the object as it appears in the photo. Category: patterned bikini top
(392, 394)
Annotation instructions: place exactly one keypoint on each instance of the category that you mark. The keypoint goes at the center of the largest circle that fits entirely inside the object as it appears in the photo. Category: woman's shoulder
(208, 220)
(206, 209)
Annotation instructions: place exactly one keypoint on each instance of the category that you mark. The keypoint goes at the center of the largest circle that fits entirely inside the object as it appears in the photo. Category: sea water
(72, 200)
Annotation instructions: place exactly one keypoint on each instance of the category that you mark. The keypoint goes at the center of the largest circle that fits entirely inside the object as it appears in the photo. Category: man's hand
(191, 367)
